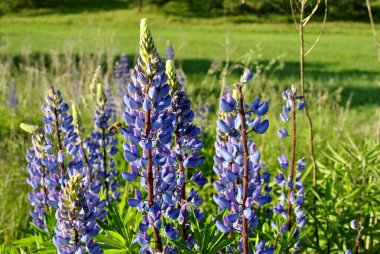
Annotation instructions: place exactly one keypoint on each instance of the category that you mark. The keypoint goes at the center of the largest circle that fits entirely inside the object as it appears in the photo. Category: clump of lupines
(102, 146)
(237, 163)
(76, 215)
(292, 201)
(150, 128)
(187, 146)
(42, 168)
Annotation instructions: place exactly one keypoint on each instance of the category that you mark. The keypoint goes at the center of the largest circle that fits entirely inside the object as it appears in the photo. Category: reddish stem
(292, 162)
(149, 179)
(357, 242)
(246, 167)
(86, 160)
(105, 161)
(62, 164)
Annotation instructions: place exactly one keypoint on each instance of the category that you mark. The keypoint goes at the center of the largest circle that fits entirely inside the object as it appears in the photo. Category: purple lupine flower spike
(237, 164)
(292, 203)
(122, 77)
(12, 95)
(147, 147)
(101, 147)
(76, 214)
(187, 146)
(42, 168)
(59, 123)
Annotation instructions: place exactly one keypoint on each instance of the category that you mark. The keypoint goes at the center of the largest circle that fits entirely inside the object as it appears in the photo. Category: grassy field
(342, 74)
(344, 57)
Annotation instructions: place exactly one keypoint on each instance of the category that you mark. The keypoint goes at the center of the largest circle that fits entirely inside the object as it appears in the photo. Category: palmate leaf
(115, 237)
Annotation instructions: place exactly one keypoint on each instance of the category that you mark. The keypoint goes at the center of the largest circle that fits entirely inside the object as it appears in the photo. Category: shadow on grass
(362, 85)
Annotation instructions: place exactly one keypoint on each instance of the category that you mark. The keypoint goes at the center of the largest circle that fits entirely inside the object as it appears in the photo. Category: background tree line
(338, 9)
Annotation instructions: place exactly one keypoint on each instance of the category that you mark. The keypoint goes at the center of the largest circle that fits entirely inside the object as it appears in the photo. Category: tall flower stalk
(187, 146)
(292, 202)
(150, 129)
(304, 18)
(59, 124)
(237, 162)
(102, 146)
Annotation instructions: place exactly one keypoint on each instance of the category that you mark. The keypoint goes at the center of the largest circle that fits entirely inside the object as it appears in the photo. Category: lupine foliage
(77, 206)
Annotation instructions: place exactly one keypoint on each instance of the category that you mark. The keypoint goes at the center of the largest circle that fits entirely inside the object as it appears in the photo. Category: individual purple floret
(260, 248)
(242, 190)
(292, 192)
(148, 135)
(101, 147)
(187, 146)
(42, 168)
(76, 219)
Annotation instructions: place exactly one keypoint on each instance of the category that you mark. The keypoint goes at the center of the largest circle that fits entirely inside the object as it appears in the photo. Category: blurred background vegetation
(338, 9)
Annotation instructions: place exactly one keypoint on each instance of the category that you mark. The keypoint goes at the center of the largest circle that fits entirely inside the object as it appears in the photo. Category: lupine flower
(42, 168)
(149, 131)
(187, 146)
(102, 146)
(292, 202)
(231, 166)
(75, 82)
(354, 224)
(122, 78)
(110, 103)
(202, 112)
(260, 248)
(59, 123)
(76, 216)
(12, 95)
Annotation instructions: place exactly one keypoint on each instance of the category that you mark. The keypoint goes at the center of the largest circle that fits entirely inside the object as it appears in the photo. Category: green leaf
(25, 241)
(183, 247)
(117, 236)
(223, 244)
(109, 240)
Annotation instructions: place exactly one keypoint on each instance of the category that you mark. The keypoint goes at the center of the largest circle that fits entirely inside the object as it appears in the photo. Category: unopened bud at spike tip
(76, 118)
(172, 76)
(32, 129)
(100, 95)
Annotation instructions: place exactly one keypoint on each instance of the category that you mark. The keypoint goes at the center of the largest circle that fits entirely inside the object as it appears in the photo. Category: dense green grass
(345, 57)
